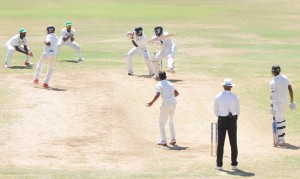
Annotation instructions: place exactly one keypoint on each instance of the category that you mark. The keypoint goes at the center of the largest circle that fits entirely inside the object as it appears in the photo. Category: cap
(22, 30)
(68, 23)
(227, 82)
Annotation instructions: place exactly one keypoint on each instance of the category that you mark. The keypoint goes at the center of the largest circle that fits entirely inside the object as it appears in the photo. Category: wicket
(213, 130)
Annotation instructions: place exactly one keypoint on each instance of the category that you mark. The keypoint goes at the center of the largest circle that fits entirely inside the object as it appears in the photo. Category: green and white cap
(68, 23)
(22, 30)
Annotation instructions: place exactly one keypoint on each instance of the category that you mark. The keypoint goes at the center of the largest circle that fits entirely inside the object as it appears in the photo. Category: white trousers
(10, 51)
(168, 52)
(72, 45)
(167, 114)
(280, 120)
(135, 51)
(51, 59)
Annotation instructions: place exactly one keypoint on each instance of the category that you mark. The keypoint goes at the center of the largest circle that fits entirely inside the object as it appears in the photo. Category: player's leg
(171, 61)
(76, 47)
(163, 117)
(155, 63)
(39, 67)
(232, 133)
(10, 51)
(221, 140)
(171, 112)
(146, 56)
(128, 59)
(52, 61)
(279, 117)
(59, 45)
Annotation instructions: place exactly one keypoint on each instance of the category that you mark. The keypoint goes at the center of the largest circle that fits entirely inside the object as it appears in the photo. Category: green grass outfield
(243, 40)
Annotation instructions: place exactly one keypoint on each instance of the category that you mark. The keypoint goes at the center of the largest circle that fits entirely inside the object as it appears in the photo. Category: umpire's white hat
(227, 82)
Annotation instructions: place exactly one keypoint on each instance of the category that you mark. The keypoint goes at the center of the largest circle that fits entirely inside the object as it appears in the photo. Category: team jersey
(53, 39)
(17, 41)
(166, 90)
(65, 34)
(140, 40)
(165, 42)
(279, 89)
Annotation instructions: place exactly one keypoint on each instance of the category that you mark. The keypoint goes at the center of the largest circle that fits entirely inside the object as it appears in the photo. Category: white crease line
(157, 157)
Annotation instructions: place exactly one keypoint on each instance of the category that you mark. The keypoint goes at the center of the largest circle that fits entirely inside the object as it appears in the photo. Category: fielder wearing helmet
(50, 29)
(139, 31)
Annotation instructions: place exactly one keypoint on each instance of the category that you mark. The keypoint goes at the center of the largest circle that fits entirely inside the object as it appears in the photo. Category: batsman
(280, 86)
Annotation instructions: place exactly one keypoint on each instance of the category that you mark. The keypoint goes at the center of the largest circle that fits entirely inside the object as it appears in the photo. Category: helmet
(158, 30)
(276, 68)
(50, 29)
(138, 30)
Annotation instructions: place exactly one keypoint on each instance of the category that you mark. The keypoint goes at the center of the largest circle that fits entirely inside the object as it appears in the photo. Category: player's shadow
(175, 147)
(145, 76)
(70, 61)
(55, 89)
(239, 172)
(20, 67)
(174, 81)
(289, 146)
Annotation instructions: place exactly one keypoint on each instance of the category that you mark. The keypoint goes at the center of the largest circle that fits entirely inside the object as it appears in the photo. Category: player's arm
(291, 93)
(176, 93)
(133, 42)
(26, 52)
(47, 43)
(72, 37)
(154, 99)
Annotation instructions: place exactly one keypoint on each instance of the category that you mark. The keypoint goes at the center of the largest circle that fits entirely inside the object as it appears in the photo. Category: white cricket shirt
(17, 41)
(226, 102)
(279, 89)
(65, 34)
(141, 41)
(166, 90)
(53, 39)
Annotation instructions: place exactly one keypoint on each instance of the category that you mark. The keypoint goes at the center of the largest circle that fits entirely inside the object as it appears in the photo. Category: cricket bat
(275, 133)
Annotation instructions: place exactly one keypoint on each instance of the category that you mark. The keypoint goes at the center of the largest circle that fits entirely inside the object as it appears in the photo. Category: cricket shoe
(163, 143)
(173, 142)
(281, 143)
(234, 168)
(80, 59)
(171, 70)
(130, 74)
(36, 81)
(29, 64)
(5, 65)
(45, 85)
(218, 168)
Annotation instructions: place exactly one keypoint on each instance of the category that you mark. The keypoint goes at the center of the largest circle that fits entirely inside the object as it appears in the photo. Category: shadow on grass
(145, 76)
(174, 81)
(55, 89)
(20, 67)
(70, 61)
(289, 146)
(239, 172)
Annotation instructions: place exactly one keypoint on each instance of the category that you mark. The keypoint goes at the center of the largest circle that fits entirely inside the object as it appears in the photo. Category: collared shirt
(279, 89)
(17, 41)
(166, 90)
(226, 102)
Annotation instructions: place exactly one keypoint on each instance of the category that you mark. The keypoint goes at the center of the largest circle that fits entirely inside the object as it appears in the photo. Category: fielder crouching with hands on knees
(167, 91)
(227, 109)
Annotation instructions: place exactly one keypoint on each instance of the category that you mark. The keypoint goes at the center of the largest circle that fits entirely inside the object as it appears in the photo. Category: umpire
(227, 109)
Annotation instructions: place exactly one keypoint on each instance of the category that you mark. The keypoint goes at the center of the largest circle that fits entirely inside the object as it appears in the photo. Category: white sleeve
(73, 32)
(158, 89)
(25, 41)
(273, 92)
(216, 106)
(237, 108)
(48, 38)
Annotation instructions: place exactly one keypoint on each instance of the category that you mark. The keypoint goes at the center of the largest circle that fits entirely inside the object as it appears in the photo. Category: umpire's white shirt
(279, 89)
(53, 39)
(226, 102)
(166, 90)
(65, 34)
(16, 41)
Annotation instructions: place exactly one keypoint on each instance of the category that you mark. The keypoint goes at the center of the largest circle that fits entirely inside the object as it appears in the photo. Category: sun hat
(227, 82)
(68, 23)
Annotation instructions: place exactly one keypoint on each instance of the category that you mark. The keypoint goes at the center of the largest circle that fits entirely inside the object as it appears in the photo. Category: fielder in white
(48, 55)
(168, 49)
(280, 86)
(20, 44)
(167, 91)
(67, 38)
(138, 39)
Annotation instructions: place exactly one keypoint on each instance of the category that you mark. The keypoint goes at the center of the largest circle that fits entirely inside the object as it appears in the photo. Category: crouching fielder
(138, 39)
(49, 55)
(168, 49)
